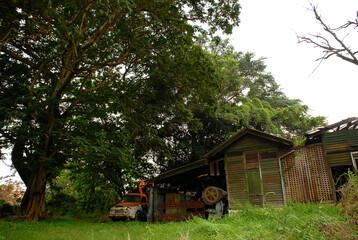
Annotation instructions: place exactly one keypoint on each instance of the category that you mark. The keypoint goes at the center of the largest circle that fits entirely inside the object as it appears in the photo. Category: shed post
(155, 203)
(282, 177)
(150, 214)
(354, 156)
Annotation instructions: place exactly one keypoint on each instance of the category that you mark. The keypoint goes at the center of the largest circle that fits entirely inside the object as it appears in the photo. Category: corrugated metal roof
(346, 124)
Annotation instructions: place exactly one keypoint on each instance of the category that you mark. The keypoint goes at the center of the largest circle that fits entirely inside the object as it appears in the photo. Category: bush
(349, 201)
(6, 209)
(62, 204)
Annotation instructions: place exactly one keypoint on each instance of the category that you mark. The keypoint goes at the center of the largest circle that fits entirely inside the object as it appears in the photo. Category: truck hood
(127, 204)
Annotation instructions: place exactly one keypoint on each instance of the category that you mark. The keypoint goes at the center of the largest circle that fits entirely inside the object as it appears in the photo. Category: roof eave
(243, 132)
(179, 170)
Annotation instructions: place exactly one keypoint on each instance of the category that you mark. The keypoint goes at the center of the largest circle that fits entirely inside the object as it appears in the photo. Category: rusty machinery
(213, 197)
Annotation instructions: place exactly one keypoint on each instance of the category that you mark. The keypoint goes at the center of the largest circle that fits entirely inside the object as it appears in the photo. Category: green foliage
(297, 221)
(60, 204)
(91, 82)
(246, 95)
(250, 97)
(6, 209)
(81, 191)
(106, 88)
(349, 201)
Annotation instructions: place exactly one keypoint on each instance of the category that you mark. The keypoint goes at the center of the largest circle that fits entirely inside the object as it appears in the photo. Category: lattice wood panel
(306, 175)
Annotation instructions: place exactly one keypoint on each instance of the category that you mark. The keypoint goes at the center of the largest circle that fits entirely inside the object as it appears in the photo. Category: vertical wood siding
(306, 175)
(237, 167)
(271, 180)
(236, 180)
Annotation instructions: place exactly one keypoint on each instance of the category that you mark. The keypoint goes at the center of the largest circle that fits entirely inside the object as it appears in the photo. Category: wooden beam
(180, 170)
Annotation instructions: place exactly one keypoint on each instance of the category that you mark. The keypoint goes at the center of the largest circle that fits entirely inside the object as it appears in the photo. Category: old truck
(134, 206)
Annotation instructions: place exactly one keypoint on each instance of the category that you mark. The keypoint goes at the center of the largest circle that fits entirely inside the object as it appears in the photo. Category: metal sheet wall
(306, 175)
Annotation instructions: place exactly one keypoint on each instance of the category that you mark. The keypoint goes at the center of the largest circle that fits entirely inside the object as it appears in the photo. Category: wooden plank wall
(236, 170)
(339, 159)
(251, 143)
(271, 180)
(306, 175)
(338, 146)
(236, 180)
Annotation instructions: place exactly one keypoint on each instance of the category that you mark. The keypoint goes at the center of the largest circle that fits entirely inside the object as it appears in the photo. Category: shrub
(61, 204)
(349, 201)
(6, 209)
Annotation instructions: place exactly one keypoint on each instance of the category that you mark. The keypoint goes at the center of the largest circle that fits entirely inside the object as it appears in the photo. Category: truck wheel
(137, 216)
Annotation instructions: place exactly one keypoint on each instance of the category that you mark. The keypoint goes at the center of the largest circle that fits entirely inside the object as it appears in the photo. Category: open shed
(246, 166)
(257, 167)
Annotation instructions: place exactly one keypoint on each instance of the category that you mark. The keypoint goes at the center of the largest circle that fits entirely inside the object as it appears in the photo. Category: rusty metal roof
(316, 134)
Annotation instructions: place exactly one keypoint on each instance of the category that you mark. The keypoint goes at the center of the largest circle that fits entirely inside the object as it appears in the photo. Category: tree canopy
(111, 91)
(74, 73)
(246, 96)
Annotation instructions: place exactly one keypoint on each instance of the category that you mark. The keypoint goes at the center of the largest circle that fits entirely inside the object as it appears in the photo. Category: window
(252, 161)
(131, 198)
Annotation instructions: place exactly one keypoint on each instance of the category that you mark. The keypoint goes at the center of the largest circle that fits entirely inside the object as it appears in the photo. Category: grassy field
(298, 221)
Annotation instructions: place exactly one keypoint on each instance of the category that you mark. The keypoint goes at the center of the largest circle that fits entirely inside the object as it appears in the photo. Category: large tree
(63, 60)
(246, 96)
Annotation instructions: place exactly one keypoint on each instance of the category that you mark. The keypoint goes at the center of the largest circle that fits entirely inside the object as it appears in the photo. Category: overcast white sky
(268, 28)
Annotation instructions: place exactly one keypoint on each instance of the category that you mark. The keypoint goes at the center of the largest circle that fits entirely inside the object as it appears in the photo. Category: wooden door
(253, 176)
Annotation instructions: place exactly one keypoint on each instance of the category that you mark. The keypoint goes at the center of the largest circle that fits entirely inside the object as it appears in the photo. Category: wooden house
(260, 168)
(246, 166)
(252, 167)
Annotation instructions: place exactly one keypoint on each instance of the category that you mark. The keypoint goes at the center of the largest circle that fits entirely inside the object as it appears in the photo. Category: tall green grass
(296, 221)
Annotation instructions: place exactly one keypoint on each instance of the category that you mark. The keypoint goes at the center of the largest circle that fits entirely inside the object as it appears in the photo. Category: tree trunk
(34, 202)
(19, 161)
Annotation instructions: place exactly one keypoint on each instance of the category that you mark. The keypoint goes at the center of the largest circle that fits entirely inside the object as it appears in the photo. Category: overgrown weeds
(294, 221)
(349, 200)
(348, 206)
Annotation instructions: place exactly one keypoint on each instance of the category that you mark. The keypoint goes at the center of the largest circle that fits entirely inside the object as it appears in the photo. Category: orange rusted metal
(188, 210)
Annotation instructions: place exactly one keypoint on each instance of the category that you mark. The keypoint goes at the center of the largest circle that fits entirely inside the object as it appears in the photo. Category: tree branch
(101, 31)
(85, 8)
(112, 63)
(343, 52)
(331, 32)
(17, 57)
